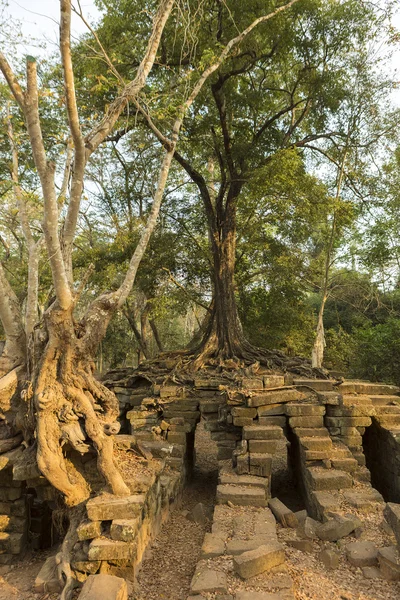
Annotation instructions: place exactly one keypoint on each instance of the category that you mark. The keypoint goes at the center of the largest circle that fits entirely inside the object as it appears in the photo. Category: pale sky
(40, 19)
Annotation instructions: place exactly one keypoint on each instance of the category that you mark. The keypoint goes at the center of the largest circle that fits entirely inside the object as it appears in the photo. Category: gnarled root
(63, 558)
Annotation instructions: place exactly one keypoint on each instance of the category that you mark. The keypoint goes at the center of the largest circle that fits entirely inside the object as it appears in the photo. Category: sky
(40, 19)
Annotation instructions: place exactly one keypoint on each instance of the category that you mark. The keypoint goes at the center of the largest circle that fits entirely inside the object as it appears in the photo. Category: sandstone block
(273, 420)
(392, 515)
(271, 410)
(106, 549)
(282, 513)
(275, 397)
(335, 529)
(362, 554)
(238, 411)
(241, 496)
(389, 563)
(104, 587)
(47, 578)
(89, 530)
(302, 545)
(260, 464)
(329, 479)
(212, 546)
(312, 432)
(273, 381)
(306, 421)
(208, 581)
(263, 446)
(124, 530)
(261, 432)
(304, 410)
(258, 561)
(107, 507)
(319, 385)
(329, 558)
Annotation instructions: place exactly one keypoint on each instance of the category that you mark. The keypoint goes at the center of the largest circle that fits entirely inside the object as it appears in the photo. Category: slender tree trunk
(317, 355)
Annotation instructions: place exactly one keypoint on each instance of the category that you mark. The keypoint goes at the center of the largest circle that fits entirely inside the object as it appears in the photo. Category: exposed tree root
(63, 558)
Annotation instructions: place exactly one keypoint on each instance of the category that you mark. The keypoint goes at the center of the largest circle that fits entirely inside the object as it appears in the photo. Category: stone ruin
(343, 445)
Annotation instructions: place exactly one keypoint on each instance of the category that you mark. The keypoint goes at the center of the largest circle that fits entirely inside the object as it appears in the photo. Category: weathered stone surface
(308, 528)
(282, 513)
(241, 496)
(362, 554)
(260, 464)
(389, 563)
(243, 480)
(273, 381)
(263, 446)
(252, 383)
(280, 421)
(104, 587)
(392, 515)
(316, 443)
(363, 499)
(371, 573)
(87, 566)
(329, 558)
(89, 530)
(198, 514)
(306, 422)
(335, 529)
(329, 479)
(257, 561)
(236, 547)
(107, 507)
(304, 410)
(47, 578)
(238, 411)
(262, 432)
(209, 581)
(106, 549)
(124, 530)
(271, 410)
(312, 432)
(275, 397)
(302, 545)
(212, 546)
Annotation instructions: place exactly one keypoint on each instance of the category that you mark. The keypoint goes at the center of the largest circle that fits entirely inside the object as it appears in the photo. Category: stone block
(319, 385)
(242, 421)
(88, 530)
(347, 421)
(208, 581)
(280, 421)
(304, 410)
(243, 464)
(302, 545)
(212, 546)
(261, 432)
(108, 507)
(362, 554)
(260, 464)
(317, 421)
(254, 562)
(329, 558)
(389, 563)
(275, 397)
(363, 499)
(328, 479)
(104, 587)
(335, 529)
(238, 411)
(240, 496)
(252, 383)
(263, 446)
(282, 513)
(319, 444)
(47, 578)
(106, 549)
(312, 432)
(371, 573)
(392, 515)
(124, 530)
(273, 381)
(243, 480)
(271, 410)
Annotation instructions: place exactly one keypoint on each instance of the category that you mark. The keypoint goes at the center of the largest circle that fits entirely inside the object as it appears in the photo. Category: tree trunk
(72, 407)
(317, 355)
(224, 336)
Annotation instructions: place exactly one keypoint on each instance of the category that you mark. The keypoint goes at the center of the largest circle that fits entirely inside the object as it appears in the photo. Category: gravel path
(167, 570)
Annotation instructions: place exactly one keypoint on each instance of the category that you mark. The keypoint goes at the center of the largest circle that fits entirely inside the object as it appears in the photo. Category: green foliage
(377, 352)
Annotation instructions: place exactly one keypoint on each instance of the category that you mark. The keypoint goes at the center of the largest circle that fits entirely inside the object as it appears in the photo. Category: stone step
(303, 409)
(365, 499)
(241, 495)
(243, 480)
(277, 396)
(345, 464)
(387, 409)
(102, 587)
(356, 400)
(386, 399)
(316, 443)
(324, 502)
(106, 549)
(108, 507)
(312, 432)
(262, 432)
(328, 479)
(367, 388)
(389, 421)
(319, 385)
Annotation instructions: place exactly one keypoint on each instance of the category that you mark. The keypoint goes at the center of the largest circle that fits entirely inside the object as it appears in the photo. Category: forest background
(312, 107)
